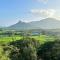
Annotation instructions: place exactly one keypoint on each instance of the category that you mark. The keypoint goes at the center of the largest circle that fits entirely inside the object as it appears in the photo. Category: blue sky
(11, 11)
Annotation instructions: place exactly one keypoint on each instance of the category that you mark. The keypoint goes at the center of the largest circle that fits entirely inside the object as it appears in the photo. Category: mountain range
(48, 23)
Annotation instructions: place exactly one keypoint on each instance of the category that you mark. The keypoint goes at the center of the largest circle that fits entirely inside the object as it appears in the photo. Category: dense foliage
(30, 49)
(25, 49)
(50, 51)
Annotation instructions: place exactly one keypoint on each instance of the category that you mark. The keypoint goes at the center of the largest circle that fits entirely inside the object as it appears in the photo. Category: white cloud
(44, 1)
(43, 12)
(30, 18)
(38, 14)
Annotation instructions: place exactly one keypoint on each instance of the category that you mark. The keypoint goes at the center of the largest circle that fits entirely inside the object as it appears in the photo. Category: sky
(12, 11)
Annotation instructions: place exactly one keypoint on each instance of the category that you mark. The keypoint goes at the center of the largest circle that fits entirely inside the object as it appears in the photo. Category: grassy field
(41, 38)
(6, 38)
(9, 39)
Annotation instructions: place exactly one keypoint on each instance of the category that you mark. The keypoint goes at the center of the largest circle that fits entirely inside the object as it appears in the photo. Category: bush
(50, 51)
(24, 49)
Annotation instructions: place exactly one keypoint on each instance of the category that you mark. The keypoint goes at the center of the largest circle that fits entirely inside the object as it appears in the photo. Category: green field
(9, 39)
(44, 38)
(41, 38)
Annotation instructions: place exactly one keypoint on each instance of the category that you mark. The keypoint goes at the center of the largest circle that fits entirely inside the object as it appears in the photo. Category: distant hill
(48, 23)
(21, 26)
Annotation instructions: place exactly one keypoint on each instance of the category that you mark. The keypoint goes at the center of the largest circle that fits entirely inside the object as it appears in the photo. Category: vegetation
(18, 45)
(50, 51)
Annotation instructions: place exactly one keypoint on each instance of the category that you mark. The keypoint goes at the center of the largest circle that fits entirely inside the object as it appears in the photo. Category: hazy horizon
(12, 11)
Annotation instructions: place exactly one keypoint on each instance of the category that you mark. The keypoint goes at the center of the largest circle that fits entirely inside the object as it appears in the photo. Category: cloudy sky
(11, 11)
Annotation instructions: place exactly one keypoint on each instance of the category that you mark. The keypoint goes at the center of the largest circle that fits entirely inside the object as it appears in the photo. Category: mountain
(48, 23)
(21, 26)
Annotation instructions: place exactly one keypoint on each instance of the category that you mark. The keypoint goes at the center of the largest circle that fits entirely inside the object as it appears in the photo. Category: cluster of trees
(30, 49)
(50, 51)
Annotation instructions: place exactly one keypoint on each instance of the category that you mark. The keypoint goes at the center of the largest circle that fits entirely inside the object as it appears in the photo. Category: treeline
(30, 49)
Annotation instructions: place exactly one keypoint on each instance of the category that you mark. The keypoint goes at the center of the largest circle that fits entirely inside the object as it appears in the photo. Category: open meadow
(7, 37)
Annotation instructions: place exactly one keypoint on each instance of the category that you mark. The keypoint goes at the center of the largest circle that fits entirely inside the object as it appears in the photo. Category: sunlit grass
(44, 38)
(9, 39)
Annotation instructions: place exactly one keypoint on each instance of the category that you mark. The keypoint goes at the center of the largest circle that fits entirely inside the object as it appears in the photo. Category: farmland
(10, 37)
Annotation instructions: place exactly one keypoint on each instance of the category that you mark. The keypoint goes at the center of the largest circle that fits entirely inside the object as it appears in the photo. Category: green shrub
(50, 51)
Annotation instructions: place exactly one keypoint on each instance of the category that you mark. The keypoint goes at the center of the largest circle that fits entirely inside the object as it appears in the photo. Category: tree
(50, 51)
(25, 49)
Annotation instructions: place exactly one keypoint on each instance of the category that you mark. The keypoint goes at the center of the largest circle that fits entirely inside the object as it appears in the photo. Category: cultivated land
(42, 38)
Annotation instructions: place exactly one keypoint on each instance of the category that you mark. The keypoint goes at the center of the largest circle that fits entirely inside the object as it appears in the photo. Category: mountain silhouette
(48, 23)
